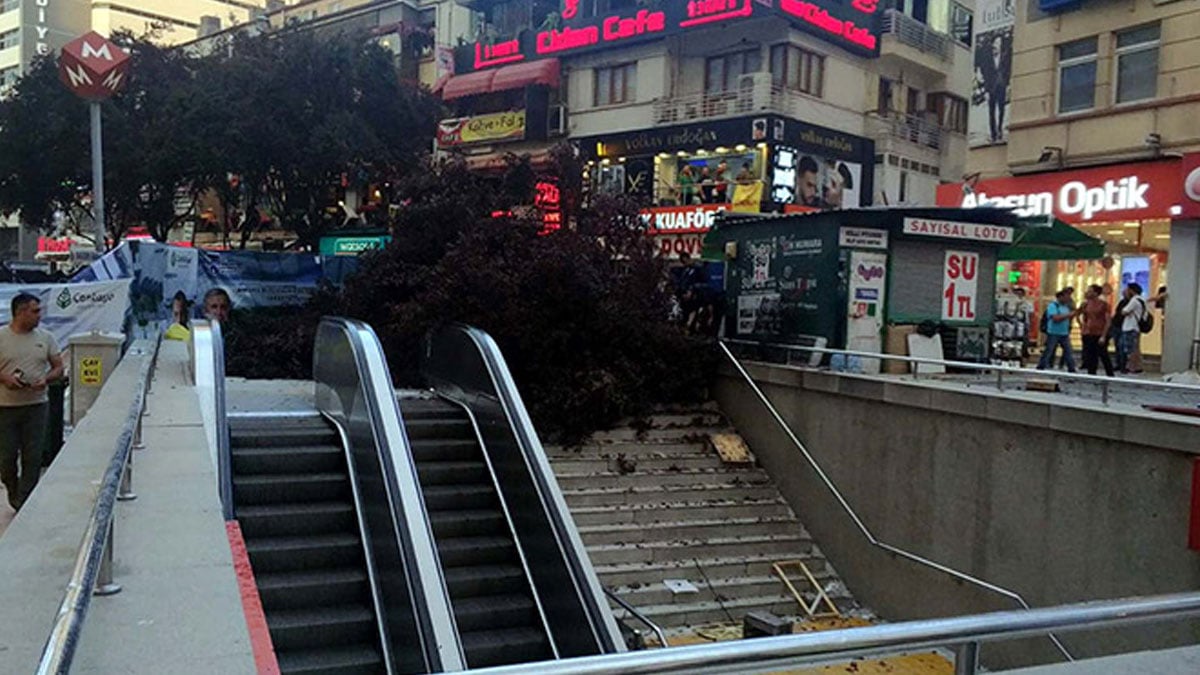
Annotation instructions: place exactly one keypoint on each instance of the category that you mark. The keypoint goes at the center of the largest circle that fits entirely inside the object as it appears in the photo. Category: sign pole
(97, 174)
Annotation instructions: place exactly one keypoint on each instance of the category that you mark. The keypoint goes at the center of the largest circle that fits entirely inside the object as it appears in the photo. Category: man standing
(29, 360)
(1130, 314)
(1094, 319)
(1058, 331)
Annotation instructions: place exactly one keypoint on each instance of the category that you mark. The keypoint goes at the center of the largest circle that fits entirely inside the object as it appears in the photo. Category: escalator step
(294, 554)
(299, 459)
(284, 436)
(445, 450)
(275, 520)
(472, 614)
(290, 488)
(354, 660)
(453, 473)
(455, 497)
(464, 582)
(462, 551)
(439, 429)
(508, 645)
(467, 522)
(323, 627)
(295, 590)
(429, 408)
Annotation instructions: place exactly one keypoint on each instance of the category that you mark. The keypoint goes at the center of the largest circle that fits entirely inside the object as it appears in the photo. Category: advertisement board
(993, 53)
(506, 126)
(69, 309)
(960, 284)
(865, 299)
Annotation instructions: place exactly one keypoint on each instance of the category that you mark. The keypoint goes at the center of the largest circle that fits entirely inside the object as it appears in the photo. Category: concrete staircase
(653, 502)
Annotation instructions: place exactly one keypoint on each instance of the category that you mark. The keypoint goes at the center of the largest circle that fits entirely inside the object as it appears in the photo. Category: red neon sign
(845, 29)
(548, 199)
(865, 6)
(497, 54)
(711, 11)
(611, 29)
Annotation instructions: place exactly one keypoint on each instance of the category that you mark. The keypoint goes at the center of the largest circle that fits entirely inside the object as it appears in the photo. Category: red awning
(526, 74)
(468, 85)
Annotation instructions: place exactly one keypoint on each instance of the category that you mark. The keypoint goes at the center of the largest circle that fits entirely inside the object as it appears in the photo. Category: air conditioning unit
(556, 121)
(754, 92)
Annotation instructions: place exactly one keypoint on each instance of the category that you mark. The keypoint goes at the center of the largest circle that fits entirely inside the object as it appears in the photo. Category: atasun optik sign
(1073, 198)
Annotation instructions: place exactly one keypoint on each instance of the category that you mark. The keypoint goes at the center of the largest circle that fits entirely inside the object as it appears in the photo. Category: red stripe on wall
(256, 619)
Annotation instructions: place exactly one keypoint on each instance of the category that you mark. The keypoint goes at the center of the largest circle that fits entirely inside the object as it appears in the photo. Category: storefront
(1128, 207)
(753, 163)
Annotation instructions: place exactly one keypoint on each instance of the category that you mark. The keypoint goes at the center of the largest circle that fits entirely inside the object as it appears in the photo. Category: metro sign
(93, 67)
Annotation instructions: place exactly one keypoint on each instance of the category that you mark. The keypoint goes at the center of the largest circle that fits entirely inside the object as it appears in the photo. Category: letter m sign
(93, 67)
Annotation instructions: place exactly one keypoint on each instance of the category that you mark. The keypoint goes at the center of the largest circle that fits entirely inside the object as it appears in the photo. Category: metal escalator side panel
(206, 347)
(465, 364)
(353, 386)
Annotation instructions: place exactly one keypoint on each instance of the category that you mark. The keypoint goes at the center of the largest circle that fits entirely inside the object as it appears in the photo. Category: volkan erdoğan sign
(93, 67)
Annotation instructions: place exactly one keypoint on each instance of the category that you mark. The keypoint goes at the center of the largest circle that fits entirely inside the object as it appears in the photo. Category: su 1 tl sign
(960, 283)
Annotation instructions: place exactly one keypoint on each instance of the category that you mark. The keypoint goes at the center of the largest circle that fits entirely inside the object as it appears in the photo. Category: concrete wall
(1060, 503)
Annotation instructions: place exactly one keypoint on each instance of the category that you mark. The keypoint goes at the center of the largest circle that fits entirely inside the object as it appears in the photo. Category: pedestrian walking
(1131, 314)
(1058, 332)
(1094, 324)
(29, 361)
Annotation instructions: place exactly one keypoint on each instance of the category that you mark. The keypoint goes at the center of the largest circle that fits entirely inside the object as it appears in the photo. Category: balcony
(907, 42)
(755, 94)
(914, 136)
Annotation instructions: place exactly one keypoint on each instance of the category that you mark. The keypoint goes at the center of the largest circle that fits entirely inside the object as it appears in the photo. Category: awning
(526, 74)
(1058, 241)
(468, 85)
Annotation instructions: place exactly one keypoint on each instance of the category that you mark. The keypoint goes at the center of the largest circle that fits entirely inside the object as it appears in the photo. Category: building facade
(1088, 111)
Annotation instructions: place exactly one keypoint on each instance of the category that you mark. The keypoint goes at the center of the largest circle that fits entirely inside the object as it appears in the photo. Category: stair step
(628, 514)
(290, 488)
(459, 497)
(726, 589)
(674, 615)
(748, 476)
(294, 554)
(354, 660)
(729, 567)
(321, 627)
(467, 522)
(603, 494)
(294, 590)
(649, 436)
(781, 546)
(300, 459)
(471, 614)
(284, 436)
(453, 473)
(688, 530)
(439, 429)
(293, 519)
(673, 420)
(443, 449)
(505, 646)
(483, 580)
(474, 551)
(614, 464)
(631, 450)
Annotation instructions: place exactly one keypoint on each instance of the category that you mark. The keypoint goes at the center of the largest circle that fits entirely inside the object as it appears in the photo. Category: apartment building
(1100, 118)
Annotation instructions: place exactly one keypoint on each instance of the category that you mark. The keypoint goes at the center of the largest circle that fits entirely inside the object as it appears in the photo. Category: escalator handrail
(207, 347)
(442, 648)
(568, 541)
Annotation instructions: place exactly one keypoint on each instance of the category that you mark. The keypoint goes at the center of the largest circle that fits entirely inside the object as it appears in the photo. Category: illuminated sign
(548, 199)
(701, 12)
(506, 126)
(487, 56)
(611, 29)
(844, 29)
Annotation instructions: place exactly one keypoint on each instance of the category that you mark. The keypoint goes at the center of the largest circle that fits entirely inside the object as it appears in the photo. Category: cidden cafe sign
(853, 26)
(1120, 192)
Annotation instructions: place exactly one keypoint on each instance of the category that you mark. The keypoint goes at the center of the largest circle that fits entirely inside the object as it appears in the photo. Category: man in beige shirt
(29, 360)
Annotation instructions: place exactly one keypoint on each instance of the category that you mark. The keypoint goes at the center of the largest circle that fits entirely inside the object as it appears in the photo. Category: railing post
(1104, 392)
(125, 492)
(104, 578)
(966, 659)
(137, 436)
(1000, 379)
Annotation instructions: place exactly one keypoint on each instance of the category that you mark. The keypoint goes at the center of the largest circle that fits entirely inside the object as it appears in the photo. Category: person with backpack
(1134, 318)
(1056, 324)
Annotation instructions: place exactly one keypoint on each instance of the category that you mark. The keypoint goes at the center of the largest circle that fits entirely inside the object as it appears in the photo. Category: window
(1137, 63)
(9, 77)
(885, 96)
(721, 73)
(9, 5)
(798, 69)
(1077, 75)
(10, 38)
(951, 111)
(961, 22)
(617, 84)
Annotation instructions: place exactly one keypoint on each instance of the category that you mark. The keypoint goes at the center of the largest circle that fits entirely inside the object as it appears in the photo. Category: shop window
(10, 38)
(797, 69)
(721, 73)
(1077, 75)
(616, 84)
(951, 111)
(1137, 63)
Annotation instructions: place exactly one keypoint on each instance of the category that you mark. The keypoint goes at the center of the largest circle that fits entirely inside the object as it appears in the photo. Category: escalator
(419, 534)
(295, 506)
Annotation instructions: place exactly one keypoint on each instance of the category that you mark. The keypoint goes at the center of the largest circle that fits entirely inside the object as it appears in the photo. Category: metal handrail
(96, 545)
(508, 521)
(658, 631)
(837, 646)
(224, 452)
(999, 370)
(866, 532)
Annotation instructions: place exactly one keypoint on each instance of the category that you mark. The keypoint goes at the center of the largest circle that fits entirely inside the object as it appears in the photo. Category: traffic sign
(93, 67)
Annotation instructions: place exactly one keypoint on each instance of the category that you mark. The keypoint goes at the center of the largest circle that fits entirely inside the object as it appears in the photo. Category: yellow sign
(494, 127)
(747, 197)
(90, 368)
